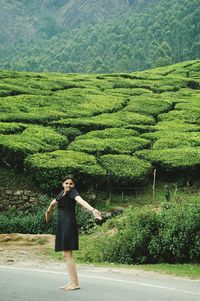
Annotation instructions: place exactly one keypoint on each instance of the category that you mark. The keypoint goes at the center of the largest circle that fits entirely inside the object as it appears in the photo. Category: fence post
(109, 187)
(167, 195)
(154, 182)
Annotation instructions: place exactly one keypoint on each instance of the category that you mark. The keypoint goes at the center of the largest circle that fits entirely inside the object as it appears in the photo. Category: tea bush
(125, 168)
(127, 145)
(119, 119)
(11, 128)
(116, 133)
(181, 158)
(48, 169)
(148, 105)
(14, 148)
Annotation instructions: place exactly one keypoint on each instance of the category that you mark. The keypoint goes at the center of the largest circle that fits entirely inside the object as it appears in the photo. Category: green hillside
(121, 125)
(98, 36)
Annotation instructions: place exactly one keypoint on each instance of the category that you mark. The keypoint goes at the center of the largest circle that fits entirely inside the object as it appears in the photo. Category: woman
(67, 230)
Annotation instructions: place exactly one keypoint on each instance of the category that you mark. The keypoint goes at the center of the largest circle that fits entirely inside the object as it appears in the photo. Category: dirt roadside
(29, 251)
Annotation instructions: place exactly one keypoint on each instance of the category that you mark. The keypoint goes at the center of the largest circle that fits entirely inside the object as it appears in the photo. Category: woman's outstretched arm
(50, 208)
(87, 206)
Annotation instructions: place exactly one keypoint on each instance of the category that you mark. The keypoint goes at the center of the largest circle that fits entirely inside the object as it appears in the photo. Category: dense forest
(78, 36)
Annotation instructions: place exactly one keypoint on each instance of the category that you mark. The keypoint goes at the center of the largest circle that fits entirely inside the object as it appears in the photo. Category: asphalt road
(20, 284)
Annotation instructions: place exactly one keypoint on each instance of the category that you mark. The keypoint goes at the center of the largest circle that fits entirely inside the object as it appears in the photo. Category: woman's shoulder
(59, 195)
(73, 193)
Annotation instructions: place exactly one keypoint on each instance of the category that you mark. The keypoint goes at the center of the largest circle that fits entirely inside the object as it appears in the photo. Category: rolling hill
(123, 125)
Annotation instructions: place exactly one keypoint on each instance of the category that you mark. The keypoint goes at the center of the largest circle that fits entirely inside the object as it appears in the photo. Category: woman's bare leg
(71, 267)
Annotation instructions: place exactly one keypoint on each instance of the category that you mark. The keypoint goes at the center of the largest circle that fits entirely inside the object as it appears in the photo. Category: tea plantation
(124, 125)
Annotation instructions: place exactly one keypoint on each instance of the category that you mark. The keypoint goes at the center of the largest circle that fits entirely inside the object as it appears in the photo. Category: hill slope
(124, 125)
(98, 37)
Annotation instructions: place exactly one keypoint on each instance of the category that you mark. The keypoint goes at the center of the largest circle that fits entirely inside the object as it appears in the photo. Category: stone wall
(18, 199)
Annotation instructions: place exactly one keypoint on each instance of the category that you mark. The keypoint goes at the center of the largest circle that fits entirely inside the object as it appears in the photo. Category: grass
(181, 270)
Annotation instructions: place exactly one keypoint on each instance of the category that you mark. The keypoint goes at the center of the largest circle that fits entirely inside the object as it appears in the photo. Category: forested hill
(97, 36)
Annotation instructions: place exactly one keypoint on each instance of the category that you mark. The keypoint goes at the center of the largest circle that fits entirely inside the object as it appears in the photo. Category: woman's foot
(65, 286)
(72, 287)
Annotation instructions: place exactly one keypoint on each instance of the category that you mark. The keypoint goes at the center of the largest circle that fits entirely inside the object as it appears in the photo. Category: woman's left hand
(97, 214)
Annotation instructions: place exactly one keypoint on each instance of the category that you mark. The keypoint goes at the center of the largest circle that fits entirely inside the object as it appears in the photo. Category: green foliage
(33, 222)
(34, 139)
(175, 125)
(119, 119)
(27, 222)
(148, 105)
(48, 169)
(85, 220)
(115, 133)
(106, 114)
(181, 158)
(125, 168)
(178, 240)
(146, 236)
(11, 128)
(99, 146)
(165, 143)
(124, 36)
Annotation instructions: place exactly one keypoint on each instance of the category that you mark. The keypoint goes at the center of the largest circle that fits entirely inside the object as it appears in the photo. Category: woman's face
(68, 184)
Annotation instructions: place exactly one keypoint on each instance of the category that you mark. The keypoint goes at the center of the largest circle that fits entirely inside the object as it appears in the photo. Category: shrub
(116, 133)
(185, 158)
(125, 168)
(27, 222)
(82, 102)
(191, 116)
(178, 240)
(71, 133)
(34, 222)
(148, 236)
(112, 146)
(11, 127)
(119, 119)
(14, 148)
(148, 105)
(175, 125)
(170, 143)
(48, 169)
(193, 138)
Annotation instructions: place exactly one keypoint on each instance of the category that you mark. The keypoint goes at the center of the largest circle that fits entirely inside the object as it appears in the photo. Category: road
(25, 284)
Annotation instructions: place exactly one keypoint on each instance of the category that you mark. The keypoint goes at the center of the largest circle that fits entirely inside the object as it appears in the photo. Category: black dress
(67, 229)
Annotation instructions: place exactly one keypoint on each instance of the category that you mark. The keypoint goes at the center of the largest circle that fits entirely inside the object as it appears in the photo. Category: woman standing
(67, 230)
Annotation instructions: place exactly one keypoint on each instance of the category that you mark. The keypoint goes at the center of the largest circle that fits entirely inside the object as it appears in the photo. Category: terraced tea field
(124, 125)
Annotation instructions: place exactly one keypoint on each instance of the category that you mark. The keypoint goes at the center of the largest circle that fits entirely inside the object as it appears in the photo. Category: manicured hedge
(191, 116)
(171, 143)
(176, 125)
(119, 119)
(125, 168)
(48, 169)
(131, 92)
(148, 104)
(127, 145)
(14, 148)
(11, 127)
(116, 133)
(193, 138)
(185, 158)
(71, 133)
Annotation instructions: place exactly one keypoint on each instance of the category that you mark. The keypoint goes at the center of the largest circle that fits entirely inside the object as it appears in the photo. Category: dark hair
(69, 177)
